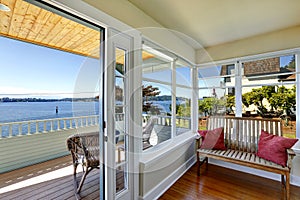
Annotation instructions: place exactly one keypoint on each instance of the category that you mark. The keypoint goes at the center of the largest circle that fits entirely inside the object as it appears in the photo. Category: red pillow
(213, 139)
(202, 133)
(273, 148)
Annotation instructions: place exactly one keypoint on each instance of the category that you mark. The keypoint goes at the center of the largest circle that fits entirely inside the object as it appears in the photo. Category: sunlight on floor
(66, 171)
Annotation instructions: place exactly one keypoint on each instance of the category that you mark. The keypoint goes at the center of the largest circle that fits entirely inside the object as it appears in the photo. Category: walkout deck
(48, 180)
(53, 180)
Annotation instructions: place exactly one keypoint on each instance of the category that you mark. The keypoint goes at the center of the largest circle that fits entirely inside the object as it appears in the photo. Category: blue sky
(34, 70)
(29, 70)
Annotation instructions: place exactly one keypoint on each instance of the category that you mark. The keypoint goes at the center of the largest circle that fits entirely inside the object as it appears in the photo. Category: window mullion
(173, 129)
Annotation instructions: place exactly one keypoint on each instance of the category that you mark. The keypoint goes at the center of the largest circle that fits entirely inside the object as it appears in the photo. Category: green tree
(230, 102)
(280, 99)
(183, 110)
(256, 97)
(284, 99)
(148, 92)
(211, 105)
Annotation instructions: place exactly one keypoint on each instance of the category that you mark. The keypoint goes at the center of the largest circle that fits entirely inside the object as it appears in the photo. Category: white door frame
(132, 87)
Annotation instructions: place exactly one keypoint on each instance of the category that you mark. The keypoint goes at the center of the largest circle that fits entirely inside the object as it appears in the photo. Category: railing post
(0, 131)
(45, 127)
(51, 126)
(28, 129)
(65, 124)
(36, 127)
(20, 129)
(71, 125)
(58, 124)
(10, 131)
(76, 122)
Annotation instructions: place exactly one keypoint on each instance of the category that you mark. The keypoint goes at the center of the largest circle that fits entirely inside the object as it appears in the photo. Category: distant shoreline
(8, 100)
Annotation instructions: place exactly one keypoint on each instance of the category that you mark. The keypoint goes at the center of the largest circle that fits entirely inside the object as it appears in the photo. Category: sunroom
(117, 67)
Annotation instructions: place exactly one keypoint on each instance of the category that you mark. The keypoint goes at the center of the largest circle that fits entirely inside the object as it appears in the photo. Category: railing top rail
(247, 118)
(51, 119)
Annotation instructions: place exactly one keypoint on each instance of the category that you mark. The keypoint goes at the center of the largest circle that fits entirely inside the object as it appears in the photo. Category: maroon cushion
(213, 139)
(273, 148)
(202, 133)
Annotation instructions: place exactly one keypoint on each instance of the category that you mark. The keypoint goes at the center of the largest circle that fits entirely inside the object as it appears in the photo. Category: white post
(36, 126)
(28, 128)
(45, 127)
(20, 129)
(194, 103)
(65, 124)
(51, 126)
(10, 130)
(238, 89)
(297, 66)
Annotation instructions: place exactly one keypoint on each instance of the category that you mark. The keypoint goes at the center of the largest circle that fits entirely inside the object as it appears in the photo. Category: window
(216, 89)
(157, 96)
(266, 88)
(269, 90)
(167, 95)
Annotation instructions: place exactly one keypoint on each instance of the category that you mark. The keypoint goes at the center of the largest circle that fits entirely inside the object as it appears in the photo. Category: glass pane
(207, 72)
(269, 91)
(157, 99)
(183, 74)
(119, 88)
(156, 69)
(183, 110)
(216, 92)
(120, 122)
(269, 71)
(156, 105)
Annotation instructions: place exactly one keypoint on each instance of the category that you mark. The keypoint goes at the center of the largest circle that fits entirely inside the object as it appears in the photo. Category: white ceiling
(213, 22)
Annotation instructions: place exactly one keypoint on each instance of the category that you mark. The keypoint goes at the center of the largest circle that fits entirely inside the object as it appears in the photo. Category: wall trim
(161, 188)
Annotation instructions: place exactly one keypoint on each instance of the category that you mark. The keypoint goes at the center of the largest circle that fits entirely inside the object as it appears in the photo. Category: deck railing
(13, 129)
(166, 120)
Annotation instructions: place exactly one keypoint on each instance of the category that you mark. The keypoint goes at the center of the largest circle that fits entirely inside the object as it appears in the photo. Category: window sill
(154, 153)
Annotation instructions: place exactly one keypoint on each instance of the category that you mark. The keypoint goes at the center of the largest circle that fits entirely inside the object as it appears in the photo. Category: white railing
(13, 129)
(166, 120)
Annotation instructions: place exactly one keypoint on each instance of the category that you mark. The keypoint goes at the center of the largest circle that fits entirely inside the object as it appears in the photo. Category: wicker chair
(85, 150)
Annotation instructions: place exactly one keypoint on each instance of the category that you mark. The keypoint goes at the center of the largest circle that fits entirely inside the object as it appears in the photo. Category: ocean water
(25, 111)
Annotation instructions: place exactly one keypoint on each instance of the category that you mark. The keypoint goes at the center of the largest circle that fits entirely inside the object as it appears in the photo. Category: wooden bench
(241, 136)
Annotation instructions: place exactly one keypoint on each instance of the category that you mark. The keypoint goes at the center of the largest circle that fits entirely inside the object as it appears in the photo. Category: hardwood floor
(220, 183)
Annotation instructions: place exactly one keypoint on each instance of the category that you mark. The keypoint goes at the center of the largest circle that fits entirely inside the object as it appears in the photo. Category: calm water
(23, 111)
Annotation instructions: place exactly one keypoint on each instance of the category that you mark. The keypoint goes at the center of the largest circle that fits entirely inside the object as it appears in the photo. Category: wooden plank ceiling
(29, 23)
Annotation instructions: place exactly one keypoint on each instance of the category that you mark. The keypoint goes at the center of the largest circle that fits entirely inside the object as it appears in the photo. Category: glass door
(118, 158)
